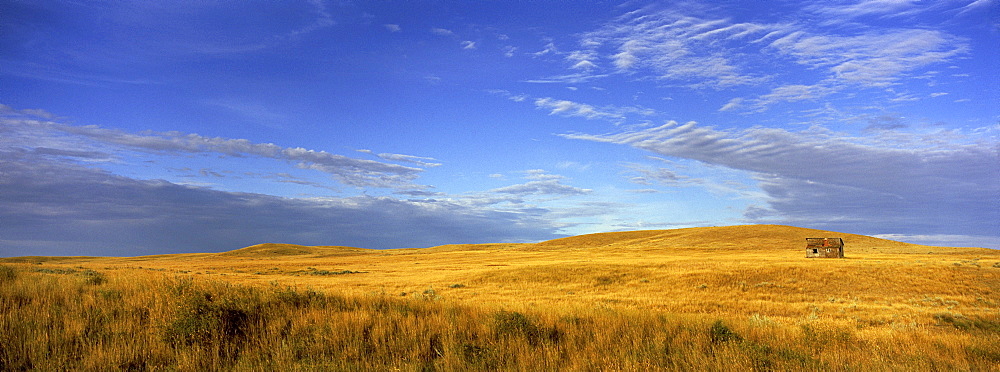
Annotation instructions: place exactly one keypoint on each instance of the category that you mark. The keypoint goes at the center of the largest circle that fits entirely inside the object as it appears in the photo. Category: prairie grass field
(725, 298)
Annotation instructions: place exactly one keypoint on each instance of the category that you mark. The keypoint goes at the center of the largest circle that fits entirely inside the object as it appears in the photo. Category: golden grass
(726, 298)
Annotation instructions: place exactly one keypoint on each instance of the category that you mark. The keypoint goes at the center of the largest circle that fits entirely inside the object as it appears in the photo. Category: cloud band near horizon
(830, 180)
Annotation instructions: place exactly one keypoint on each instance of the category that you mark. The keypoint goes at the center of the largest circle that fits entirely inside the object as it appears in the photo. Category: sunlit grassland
(735, 298)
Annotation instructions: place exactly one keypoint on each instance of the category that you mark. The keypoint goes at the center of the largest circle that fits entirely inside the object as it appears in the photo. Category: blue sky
(131, 128)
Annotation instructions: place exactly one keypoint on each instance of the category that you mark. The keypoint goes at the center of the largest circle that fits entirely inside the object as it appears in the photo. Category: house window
(815, 250)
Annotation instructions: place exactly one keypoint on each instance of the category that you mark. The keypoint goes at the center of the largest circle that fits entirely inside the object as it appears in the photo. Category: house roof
(830, 242)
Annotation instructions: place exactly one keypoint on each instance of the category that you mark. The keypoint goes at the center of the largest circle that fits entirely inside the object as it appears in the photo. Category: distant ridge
(276, 249)
(741, 237)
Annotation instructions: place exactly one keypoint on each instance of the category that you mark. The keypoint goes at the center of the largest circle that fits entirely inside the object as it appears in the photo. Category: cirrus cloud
(33, 132)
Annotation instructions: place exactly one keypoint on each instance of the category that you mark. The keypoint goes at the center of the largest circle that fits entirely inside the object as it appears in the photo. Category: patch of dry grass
(708, 299)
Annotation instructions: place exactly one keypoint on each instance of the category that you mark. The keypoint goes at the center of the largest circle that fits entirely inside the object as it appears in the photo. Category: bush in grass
(93, 277)
(306, 298)
(204, 321)
(515, 324)
(720, 333)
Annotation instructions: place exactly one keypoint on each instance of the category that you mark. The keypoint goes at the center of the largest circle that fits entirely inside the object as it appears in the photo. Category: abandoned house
(824, 248)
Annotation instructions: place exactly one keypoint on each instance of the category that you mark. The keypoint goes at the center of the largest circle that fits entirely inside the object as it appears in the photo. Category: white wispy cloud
(584, 65)
(882, 8)
(283, 177)
(903, 97)
(550, 48)
(346, 170)
(847, 11)
(717, 53)
(465, 44)
(541, 175)
(687, 50)
(418, 160)
(576, 78)
(977, 5)
(875, 59)
(581, 60)
(230, 43)
(561, 107)
(254, 112)
(167, 32)
(575, 109)
(545, 187)
(60, 74)
(733, 104)
(648, 175)
(570, 108)
(442, 32)
(540, 183)
(720, 182)
(780, 94)
(509, 50)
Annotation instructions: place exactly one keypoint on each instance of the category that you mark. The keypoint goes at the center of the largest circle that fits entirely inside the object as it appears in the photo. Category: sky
(155, 127)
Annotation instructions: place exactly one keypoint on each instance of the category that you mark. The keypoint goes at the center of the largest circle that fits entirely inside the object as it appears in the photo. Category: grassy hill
(278, 250)
(746, 237)
(711, 298)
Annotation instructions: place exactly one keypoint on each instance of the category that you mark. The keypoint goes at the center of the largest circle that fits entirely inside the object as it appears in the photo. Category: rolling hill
(277, 250)
(743, 237)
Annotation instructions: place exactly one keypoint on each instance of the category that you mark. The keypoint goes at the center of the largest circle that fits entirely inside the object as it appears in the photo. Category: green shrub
(307, 298)
(429, 294)
(205, 322)
(328, 272)
(55, 271)
(990, 353)
(516, 324)
(315, 271)
(472, 353)
(765, 357)
(93, 277)
(968, 324)
(609, 279)
(720, 333)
